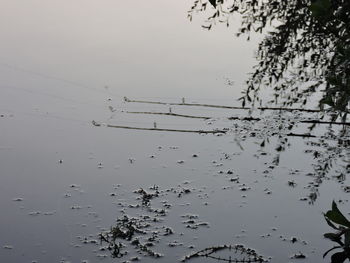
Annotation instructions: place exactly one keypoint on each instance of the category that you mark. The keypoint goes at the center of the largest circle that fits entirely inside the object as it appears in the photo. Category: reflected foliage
(328, 153)
(305, 52)
(338, 221)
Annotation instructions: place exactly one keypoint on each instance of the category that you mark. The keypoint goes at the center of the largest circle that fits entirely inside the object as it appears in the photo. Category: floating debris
(244, 188)
(168, 231)
(298, 256)
(346, 189)
(111, 109)
(267, 191)
(76, 207)
(175, 243)
(49, 213)
(146, 197)
(192, 222)
(293, 239)
(189, 216)
(35, 213)
(126, 228)
(7, 247)
(184, 191)
(234, 179)
(18, 199)
(240, 252)
(291, 183)
(102, 256)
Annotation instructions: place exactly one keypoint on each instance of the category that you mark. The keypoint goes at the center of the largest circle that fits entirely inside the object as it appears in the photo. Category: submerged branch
(157, 129)
(220, 106)
(169, 114)
(326, 122)
(96, 124)
(234, 118)
(187, 104)
(304, 135)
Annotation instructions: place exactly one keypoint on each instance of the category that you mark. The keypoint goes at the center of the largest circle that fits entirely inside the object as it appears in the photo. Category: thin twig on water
(169, 114)
(219, 106)
(234, 118)
(158, 129)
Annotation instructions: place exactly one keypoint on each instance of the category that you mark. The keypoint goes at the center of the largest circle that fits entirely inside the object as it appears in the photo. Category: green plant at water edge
(338, 221)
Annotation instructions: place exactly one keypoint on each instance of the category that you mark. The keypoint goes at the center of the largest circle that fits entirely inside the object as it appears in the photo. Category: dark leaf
(339, 257)
(213, 3)
(326, 253)
(333, 236)
(330, 223)
(347, 239)
(336, 216)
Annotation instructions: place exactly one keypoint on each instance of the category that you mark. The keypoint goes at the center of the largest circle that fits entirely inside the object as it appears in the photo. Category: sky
(136, 48)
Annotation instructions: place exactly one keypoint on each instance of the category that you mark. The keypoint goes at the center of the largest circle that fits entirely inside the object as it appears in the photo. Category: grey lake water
(65, 182)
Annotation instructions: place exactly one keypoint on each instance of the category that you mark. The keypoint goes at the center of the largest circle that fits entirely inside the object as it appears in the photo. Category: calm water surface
(63, 181)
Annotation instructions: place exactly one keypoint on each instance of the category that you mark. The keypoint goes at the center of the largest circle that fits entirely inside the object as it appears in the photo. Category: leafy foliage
(338, 221)
(305, 52)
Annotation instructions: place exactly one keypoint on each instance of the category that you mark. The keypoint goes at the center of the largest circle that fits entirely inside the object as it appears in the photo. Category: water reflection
(70, 167)
(280, 127)
(304, 58)
(304, 55)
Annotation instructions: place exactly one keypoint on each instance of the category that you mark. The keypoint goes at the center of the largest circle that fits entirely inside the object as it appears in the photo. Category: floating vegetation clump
(142, 232)
(146, 197)
(234, 254)
(138, 232)
(192, 221)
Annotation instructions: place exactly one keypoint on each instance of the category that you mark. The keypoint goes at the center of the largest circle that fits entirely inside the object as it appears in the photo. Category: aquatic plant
(142, 233)
(126, 229)
(240, 254)
(341, 224)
